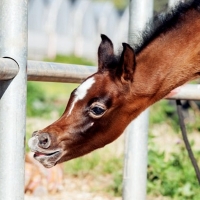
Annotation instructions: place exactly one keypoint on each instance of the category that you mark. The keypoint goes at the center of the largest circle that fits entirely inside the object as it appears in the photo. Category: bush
(36, 101)
(173, 176)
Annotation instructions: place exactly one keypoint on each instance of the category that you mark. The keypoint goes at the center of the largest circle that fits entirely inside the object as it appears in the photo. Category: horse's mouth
(41, 154)
(48, 159)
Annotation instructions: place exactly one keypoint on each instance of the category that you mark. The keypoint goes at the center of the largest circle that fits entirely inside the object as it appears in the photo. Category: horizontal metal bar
(69, 73)
(8, 68)
(185, 92)
(56, 72)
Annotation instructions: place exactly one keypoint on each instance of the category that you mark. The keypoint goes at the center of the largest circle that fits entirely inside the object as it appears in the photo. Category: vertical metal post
(135, 169)
(13, 44)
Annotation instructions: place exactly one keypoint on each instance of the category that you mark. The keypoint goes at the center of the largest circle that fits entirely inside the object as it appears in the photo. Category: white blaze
(81, 92)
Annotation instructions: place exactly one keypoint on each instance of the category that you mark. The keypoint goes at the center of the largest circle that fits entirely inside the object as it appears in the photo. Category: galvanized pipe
(8, 69)
(13, 40)
(135, 168)
(56, 72)
(135, 161)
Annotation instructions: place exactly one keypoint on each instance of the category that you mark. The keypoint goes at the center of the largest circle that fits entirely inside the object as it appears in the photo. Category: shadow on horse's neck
(170, 60)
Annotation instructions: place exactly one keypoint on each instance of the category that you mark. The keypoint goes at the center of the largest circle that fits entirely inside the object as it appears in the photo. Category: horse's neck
(169, 60)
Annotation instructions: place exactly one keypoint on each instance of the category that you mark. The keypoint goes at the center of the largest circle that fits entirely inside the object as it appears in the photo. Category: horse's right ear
(104, 52)
(127, 64)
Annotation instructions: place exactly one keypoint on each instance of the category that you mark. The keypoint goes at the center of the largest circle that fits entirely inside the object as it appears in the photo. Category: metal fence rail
(8, 68)
(54, 72)
(70, 73)
(46, 71)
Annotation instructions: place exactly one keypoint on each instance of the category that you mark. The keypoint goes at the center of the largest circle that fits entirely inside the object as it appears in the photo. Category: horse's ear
(104, 52)
(127, 64)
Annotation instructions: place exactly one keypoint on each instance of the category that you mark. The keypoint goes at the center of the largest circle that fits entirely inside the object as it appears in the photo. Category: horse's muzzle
(39, 144)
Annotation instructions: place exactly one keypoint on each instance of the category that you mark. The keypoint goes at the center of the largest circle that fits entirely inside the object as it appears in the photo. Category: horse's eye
(97, 110)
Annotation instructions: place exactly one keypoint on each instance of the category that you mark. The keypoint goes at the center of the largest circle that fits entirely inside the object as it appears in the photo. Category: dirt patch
(75, 189)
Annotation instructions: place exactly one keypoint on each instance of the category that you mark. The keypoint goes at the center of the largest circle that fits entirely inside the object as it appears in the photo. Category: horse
(166, 56)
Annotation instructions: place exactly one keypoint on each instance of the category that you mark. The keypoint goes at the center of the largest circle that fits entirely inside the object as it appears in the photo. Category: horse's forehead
(92, 83)
(81, 92)
(84, 87)
(100, 83)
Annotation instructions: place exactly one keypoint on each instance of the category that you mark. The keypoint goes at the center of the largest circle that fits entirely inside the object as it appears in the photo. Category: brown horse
(105, 103)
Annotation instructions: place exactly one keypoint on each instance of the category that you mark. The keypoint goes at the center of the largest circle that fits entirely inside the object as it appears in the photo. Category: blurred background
(74, 26)
(68, 31)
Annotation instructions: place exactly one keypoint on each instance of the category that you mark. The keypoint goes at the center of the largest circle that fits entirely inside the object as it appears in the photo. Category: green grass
(172, 175)
(164, 112)
(101, 162)
(45, 97)
(56, 90)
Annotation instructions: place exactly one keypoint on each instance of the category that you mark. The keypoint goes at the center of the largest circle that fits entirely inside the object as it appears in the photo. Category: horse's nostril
(44, 140)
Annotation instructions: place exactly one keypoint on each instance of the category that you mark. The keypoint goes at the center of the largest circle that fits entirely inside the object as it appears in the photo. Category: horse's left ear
(127, 64)
(105, 51)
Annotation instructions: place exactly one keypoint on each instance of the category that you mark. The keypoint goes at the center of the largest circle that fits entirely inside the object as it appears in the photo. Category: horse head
(97, 113)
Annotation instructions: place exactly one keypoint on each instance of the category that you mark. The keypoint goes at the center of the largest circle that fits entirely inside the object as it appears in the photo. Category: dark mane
(163, 23)
(160, 24)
